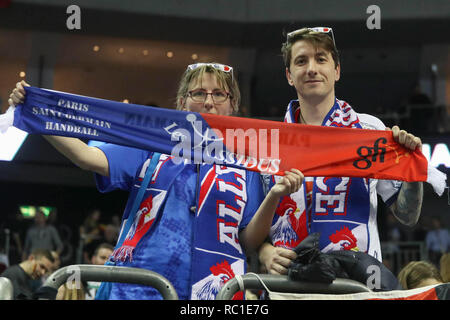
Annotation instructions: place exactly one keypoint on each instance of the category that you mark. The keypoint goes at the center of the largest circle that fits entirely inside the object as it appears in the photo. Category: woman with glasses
(195, 220)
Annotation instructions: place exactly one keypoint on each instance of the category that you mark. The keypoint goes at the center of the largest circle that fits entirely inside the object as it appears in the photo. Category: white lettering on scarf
(331, 200)
(228, 231)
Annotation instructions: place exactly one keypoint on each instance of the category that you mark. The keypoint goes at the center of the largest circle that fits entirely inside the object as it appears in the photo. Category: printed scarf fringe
(123, 253)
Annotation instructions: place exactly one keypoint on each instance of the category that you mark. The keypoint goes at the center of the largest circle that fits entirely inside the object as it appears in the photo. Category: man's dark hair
(103, 246)
(39, 253)
(317, 39)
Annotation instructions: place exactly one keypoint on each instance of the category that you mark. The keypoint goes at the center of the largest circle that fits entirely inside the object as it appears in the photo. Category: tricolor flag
(267, 146)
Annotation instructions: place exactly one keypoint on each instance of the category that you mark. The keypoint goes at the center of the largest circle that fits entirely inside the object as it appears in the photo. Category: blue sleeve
(124, 163)
(255, 196)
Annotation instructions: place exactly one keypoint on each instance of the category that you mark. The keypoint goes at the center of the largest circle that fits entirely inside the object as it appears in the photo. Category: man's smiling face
(312, 71)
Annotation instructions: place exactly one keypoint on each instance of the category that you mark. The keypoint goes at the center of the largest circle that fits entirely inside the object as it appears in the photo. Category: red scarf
(315, 150)
(326, 151)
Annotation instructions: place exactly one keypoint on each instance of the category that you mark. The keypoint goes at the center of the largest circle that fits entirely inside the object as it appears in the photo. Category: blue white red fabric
(208, 138)
(204, 138)
(342, 209)
(197, 251)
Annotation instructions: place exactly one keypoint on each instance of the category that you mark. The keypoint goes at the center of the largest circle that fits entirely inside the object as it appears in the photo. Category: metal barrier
(6, 289)
(279, 283)
(113, 274)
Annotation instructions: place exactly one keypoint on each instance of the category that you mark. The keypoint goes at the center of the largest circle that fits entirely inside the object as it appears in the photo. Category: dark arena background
(395, 64)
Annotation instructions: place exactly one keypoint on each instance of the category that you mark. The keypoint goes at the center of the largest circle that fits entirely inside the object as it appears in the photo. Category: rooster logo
(290, 229)
(346, 239)
(143, 219)
(221, 274)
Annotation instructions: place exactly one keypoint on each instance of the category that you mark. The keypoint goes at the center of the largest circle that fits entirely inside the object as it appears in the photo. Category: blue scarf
(189, 135)
(217, 255)
(342, 224)
(206, 138)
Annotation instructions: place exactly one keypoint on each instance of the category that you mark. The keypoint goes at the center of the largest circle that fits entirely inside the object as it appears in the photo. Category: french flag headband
(269, 147)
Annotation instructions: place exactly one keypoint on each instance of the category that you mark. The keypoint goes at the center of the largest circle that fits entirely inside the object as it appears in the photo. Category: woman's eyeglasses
(200, 95)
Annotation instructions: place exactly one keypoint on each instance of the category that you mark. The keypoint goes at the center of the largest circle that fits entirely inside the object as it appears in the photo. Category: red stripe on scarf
(328, 151)
(206, 184)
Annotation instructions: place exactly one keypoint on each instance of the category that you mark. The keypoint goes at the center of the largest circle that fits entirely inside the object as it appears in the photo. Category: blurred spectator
(437, 240)
(86, 290)
(37, 283)
(102, 253)
(444, 267)
(109, 235)
(52, 218)
(38, 263)
(99, 257)
(91, 228)
(65, 232)
(41, 236)
(417, 274)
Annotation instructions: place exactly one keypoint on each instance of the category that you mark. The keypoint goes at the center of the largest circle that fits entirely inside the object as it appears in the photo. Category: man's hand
(408, 205)
(406, 139)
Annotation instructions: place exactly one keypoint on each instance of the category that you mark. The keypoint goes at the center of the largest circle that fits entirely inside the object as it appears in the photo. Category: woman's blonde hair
(225, 79)
(415, 272)
(69, 291)
(445, 267)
